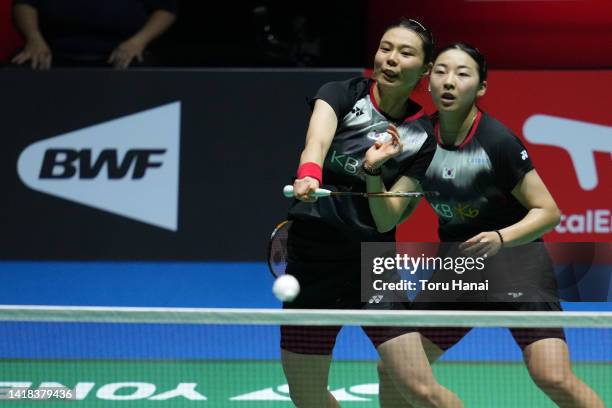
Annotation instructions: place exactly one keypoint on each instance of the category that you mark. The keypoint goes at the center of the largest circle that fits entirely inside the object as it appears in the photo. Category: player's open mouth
(389, 74)
(447, 96)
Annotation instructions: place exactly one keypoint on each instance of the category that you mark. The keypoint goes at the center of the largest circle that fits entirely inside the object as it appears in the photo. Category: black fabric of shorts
(327, 265)
(446, 337)
(521, 274)
(520, 279)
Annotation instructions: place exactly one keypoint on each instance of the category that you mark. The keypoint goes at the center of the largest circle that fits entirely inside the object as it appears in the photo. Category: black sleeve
(512, 161)
(167, 5)
(416, 168)
(341, 95)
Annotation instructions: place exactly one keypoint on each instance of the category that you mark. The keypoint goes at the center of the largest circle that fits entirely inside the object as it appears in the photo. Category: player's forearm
(321, 130)
(536, 223)
(155, 26)
(26, 20)
(314, 152)
(385, 211)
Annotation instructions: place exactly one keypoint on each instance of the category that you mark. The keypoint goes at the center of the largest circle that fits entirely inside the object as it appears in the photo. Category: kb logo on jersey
(346, 162)
(524, 155)
(448, 173)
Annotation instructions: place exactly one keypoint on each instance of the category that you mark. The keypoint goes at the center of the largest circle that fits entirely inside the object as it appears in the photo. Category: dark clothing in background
(92, 29)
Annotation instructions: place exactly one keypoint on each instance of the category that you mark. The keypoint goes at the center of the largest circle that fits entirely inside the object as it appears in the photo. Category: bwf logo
(114, 166)
(68, 163)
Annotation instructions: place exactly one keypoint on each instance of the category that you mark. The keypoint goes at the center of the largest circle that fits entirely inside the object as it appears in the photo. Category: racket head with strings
(277, 249)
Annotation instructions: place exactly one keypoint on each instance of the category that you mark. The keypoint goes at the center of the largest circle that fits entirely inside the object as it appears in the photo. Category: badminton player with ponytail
(491, 201)
(324, 240)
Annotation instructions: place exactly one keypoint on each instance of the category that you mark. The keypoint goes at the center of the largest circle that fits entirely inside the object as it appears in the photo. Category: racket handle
(319, 192)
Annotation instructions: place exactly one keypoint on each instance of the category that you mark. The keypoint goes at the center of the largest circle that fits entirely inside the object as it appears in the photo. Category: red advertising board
(564, 119)
(513, 34)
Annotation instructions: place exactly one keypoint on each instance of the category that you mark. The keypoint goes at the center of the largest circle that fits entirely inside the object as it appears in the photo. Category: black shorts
(520, 279)
(327, 265)
(446, 337)
(521, 274)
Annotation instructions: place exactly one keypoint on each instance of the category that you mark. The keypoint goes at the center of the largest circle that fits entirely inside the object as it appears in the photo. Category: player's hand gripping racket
(277, 249)
(321, 192)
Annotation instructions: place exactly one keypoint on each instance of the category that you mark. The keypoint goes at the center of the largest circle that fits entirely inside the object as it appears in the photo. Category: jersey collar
(416, 110)
(467, 138)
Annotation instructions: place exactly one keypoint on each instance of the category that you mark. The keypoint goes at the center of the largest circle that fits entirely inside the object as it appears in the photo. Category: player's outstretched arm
(321, 131)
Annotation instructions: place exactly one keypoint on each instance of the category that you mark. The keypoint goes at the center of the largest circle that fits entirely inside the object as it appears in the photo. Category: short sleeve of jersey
(512, 161)
(417, 167)
(341, 95)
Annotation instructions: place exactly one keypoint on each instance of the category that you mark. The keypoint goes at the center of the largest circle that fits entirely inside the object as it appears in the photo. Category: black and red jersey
(360, 124)
(475, 180)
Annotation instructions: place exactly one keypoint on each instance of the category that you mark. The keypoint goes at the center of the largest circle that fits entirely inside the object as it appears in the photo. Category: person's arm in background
(133, 47)
(36, 50)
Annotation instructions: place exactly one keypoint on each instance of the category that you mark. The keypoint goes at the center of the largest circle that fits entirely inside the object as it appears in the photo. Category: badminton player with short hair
(324, 241)
(492, 201)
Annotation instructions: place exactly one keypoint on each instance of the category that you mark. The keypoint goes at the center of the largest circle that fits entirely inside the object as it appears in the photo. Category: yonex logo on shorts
(375, 299)
(114, 166)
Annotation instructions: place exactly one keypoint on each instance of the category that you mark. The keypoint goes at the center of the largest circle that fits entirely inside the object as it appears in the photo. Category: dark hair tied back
(422, 31)
(473, 52)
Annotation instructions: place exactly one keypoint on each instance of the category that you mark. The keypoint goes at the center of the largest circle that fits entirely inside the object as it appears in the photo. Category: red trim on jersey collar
(417, 115)
(467, 138)
(372, 98)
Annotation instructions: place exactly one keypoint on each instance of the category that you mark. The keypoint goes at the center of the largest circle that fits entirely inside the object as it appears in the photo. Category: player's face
(454, 81)
(399, 59)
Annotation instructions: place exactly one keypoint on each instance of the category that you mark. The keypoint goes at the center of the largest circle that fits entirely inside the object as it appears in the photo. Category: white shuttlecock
(286, 288)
